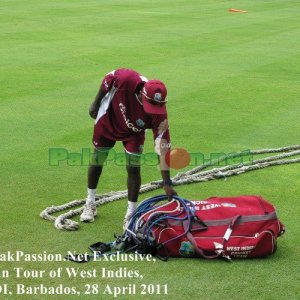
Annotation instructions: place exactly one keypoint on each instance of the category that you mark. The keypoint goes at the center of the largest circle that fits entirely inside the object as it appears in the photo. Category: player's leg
(133, 150)
(133, 182)
(95, 169)
(94, 172)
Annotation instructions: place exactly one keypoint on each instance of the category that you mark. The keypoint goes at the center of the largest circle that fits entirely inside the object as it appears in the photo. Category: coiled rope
(197, 174)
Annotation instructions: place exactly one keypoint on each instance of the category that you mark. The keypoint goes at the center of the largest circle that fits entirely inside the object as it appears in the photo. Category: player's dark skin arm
(94, 107)
(170, 192)
(165, 175)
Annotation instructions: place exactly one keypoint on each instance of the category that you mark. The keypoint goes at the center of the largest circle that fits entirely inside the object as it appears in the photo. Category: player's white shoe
(89, 213)
(125, 223)
(126, 220)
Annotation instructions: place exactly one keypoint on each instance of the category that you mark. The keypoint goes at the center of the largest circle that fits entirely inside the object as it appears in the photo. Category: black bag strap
(220, 252)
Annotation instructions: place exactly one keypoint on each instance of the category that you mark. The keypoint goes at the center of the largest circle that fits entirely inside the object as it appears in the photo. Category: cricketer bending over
(125, 106)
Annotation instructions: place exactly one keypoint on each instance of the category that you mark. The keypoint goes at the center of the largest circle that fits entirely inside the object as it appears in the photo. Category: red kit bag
(233, 227)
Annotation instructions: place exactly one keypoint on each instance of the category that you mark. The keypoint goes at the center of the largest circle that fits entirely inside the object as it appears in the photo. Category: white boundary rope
(197, 174)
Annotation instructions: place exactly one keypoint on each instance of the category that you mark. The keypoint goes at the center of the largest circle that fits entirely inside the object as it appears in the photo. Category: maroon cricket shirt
(121, 116)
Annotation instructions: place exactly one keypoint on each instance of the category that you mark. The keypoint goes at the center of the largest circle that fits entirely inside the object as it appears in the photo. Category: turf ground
(233, 82)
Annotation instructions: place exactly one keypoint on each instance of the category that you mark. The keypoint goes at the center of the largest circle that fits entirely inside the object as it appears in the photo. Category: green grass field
(233, 83)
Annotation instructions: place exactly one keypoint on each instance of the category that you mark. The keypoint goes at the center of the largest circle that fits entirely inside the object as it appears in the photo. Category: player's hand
(93, 110)
(170, 192)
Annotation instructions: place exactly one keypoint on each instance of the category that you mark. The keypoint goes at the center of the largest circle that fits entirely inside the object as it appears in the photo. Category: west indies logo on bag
(186, 249)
